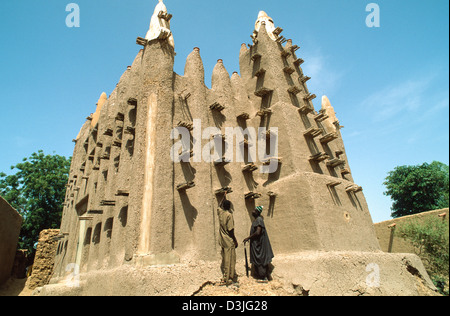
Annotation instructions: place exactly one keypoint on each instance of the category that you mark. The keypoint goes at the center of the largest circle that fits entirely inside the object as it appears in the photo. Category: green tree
(416, 189)
(37, 192)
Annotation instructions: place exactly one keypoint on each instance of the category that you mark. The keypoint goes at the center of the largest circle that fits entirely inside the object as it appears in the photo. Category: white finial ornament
(160, 24)
(270, 26)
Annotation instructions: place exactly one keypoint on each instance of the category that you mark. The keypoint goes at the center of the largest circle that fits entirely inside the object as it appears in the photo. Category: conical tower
(316, 200)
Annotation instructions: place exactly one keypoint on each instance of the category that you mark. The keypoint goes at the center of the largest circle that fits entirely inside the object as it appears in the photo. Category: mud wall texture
(44, 259)
(391, 242)
(10, 223)
(312, 273)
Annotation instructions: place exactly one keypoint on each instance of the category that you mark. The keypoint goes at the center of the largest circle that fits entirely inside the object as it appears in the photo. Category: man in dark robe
(261, 253)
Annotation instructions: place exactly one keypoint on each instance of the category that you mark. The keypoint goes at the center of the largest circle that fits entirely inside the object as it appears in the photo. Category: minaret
(331, 124)
(311, 163)
(155, 98)
(194, 223)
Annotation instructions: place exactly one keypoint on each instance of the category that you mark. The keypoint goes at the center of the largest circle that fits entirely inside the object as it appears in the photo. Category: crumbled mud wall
(44, 259)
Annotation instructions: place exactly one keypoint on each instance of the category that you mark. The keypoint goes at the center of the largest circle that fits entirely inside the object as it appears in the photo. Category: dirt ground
(15, 287)
(244, 287)
(404, 275)
(247, 287)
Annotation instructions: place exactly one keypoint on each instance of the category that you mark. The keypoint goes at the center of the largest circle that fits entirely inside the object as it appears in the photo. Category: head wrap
(259, 209)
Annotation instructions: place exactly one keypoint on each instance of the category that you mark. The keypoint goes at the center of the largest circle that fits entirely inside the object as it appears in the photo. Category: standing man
(261, 253)
(227, 241)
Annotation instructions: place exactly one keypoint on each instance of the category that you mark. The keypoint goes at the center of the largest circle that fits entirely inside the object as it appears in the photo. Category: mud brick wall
(10, 223)
(44, 259)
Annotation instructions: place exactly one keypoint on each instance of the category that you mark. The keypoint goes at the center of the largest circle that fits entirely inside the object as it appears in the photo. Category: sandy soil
(246, 287)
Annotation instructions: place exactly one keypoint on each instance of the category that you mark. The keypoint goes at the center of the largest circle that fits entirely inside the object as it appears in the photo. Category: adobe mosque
(138, 222)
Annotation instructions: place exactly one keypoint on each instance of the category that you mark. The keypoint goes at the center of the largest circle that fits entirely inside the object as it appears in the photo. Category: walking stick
(246, 260)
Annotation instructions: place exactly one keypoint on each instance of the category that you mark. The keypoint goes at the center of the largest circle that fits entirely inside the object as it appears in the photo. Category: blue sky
(388, 85)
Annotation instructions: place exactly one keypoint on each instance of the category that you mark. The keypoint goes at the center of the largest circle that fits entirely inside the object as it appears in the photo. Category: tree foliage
(416, 189)
(37, 191)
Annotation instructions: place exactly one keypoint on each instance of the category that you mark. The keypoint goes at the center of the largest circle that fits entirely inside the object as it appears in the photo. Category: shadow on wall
(190, 212)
